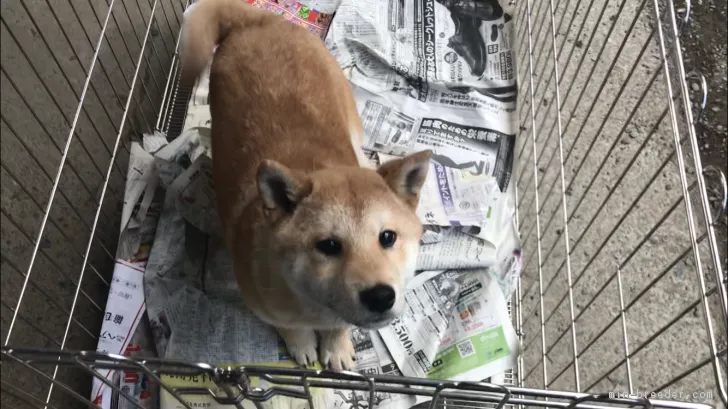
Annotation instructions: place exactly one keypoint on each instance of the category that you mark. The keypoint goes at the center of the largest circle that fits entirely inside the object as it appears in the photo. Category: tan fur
(287, 176)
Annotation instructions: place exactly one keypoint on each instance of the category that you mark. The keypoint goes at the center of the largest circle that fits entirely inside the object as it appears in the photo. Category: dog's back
(275, 91)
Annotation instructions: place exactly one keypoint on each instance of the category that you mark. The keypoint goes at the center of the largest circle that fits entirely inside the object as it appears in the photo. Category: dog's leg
(301, 344)
(337, 351)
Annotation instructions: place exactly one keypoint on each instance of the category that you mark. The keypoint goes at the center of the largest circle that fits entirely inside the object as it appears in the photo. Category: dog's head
(346, 239)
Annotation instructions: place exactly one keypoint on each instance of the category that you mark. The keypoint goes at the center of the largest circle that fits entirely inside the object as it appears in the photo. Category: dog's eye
(387, 238)
(330, 247)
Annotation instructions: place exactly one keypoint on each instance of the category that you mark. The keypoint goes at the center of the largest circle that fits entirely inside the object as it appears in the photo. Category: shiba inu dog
(320, 241)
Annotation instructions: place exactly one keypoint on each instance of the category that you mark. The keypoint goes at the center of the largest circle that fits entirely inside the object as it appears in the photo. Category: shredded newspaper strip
(426, 74)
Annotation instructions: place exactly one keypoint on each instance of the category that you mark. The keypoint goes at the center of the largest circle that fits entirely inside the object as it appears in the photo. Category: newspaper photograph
(454, 45)
(456, 326)
(456, 198)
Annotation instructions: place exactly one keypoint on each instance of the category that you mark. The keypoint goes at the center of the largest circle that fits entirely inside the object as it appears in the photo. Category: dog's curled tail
(206, 24)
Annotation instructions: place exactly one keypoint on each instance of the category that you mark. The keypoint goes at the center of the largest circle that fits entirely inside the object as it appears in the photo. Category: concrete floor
(626, 217)
(609, 172)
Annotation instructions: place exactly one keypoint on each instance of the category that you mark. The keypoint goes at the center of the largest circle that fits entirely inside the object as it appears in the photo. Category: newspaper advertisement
(481, 142)
(470, 178)
(429, 49)
(456, 326)
(458, 198)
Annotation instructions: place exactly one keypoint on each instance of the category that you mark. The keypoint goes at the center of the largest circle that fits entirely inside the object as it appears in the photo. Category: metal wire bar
(575, 349)
(91, 43)
(692, 137)
(537, 149)
(50, 178)
(55, 224)
(57, 180)
(131, 58)
(611, 193)
(688, 372)
(614, 228)
(118, 64)
(136, 36)
(30, 324)
(167, 102)
(106, 180)
(65, 75)
(540, 6)
(130, 399)
(52, 380)
(521, 57)
(50, 259)
(583, 56)
(171, 32)
(649, 340)
(24, 396)
(280, 378)
(535, 170)
(573, 15)
(580, 201)
(53, 301)
(620, 266)
(719, 379)
(78, 59)
(50, 94)
(609, 112)
(594, 102)
(611, 149)
(644, 291)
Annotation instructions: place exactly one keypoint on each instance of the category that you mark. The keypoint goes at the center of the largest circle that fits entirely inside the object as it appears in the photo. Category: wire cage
(622, 300)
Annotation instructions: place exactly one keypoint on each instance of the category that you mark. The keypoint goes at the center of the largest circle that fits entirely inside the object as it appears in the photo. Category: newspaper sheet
(124, 329)
(456, 326)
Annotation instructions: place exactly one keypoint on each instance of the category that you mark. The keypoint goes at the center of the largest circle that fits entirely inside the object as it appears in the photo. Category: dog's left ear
(405, 176)
(281, 188)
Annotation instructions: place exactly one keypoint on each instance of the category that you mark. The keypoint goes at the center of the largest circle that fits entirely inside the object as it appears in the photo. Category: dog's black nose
(379, 298)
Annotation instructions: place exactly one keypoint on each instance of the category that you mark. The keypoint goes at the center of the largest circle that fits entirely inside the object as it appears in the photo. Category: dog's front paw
(301, 345)
(337, 351)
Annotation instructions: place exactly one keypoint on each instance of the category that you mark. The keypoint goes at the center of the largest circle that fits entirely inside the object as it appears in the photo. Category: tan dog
(319, 242)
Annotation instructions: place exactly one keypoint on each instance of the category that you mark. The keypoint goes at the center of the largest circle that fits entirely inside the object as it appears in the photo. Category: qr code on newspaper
(466, 349)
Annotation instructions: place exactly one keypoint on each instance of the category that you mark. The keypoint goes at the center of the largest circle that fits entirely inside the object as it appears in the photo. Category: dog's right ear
(405, 176)
(280, 188)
